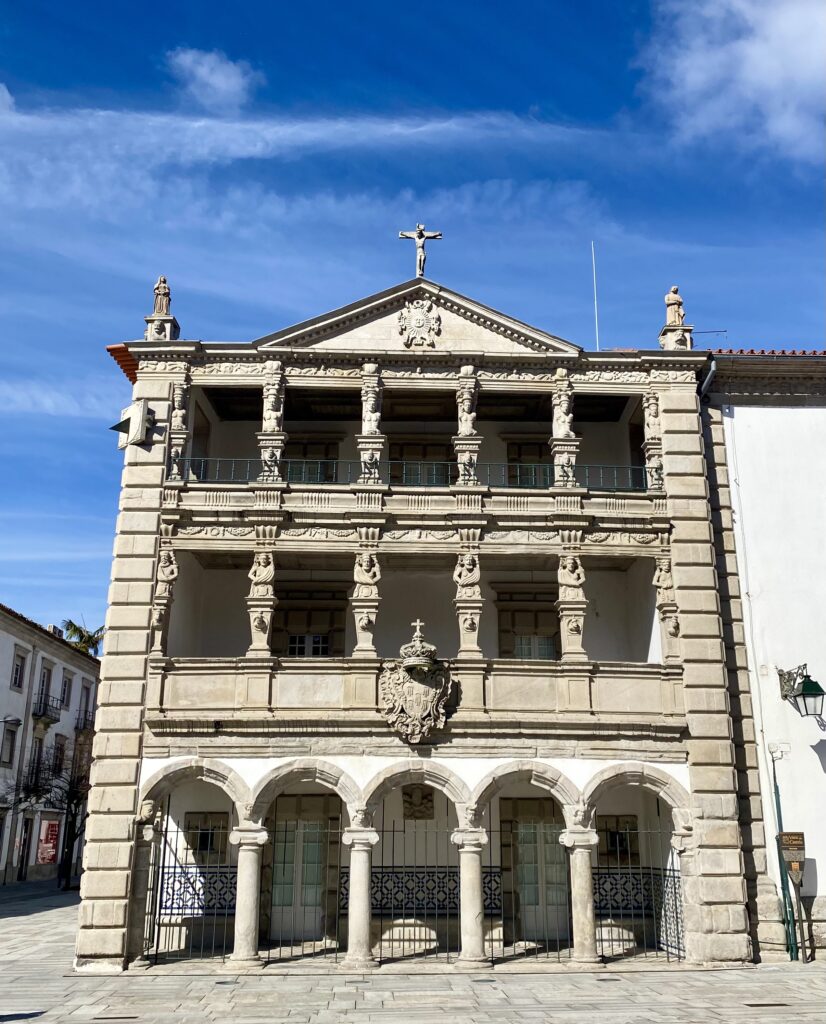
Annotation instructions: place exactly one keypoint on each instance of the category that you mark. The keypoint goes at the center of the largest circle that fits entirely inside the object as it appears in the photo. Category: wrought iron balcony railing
(85, 720)
(46, 707)
(528, 476)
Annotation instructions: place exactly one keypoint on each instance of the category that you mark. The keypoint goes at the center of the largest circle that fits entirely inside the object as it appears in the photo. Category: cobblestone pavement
(36, 936)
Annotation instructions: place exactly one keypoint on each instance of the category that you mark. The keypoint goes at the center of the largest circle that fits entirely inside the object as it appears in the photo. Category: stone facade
(544, 519)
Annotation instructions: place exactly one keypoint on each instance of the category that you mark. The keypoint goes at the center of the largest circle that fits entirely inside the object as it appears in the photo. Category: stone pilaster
(359, 909)
(580, 842)
(250, 840)
(110, 829)
(716, 916)
(147, 844)
(667, 612)
(471, 842)
(565, 452)
(765, 907)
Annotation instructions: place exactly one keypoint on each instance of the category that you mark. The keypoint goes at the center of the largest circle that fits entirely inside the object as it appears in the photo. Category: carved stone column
(667, 611)
(147, 841)
(250, 839)
(571, 607)
(359, 913)
(471, 843)
(261, 602)
(580, 842)
(468, 603)
(564, 442)
(166, 575)
(653, 445)
(178, 433)
(365, 601)
(370, 442)
(271, 437)
(467, 442)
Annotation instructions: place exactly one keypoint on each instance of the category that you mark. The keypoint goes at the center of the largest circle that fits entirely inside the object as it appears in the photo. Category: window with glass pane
(528, 625)
(308, 645)
(283, 865)
(207, 833)
(59, 754)
(9, 744)
(310, 462)
(18, 671)
(619, 840)
(529, 464)
(66, 690)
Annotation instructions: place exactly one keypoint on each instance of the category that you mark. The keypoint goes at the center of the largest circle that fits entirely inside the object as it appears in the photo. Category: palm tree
(86, 640)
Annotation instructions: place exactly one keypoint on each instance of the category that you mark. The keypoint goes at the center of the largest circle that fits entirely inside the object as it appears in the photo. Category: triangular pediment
(418, 316)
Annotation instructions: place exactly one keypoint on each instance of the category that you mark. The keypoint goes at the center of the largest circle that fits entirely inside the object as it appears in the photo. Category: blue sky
(264, 157)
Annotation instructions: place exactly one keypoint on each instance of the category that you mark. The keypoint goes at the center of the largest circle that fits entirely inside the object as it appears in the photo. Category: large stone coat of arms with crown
(414, 690)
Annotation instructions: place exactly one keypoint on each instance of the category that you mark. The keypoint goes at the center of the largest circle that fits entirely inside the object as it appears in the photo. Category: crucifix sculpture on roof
(420, 236)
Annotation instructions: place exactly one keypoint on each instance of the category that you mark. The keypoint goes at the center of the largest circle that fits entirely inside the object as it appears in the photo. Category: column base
(471, 964)
(597, 964)
(232, 962)
(358, 964)
(100, 965)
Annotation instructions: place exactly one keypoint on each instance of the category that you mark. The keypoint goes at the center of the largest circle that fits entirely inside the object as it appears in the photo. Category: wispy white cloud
(749, 72)
(216, 83)
(76, 399)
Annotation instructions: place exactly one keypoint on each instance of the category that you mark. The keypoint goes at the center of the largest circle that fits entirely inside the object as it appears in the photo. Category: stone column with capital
(471, 842)
(261, 602)
(250, 840)
(468, 603)
(579, 842)
(361, 841)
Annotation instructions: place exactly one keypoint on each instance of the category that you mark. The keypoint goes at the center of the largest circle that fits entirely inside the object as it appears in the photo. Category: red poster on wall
(47, 844)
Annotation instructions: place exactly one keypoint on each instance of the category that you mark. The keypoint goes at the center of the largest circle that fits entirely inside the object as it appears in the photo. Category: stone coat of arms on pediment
(414, 690)
(419, 323)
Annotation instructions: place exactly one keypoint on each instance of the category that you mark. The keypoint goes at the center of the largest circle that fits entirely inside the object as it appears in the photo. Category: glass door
(299, 869)
(542, 881)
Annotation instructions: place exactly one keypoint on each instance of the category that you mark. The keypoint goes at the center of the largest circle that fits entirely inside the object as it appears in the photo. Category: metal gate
(638, 899)
(190, 905)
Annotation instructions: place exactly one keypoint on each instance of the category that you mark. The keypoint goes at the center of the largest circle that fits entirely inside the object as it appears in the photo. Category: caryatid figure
(563, 414)
(467, 576)
(466, 402)
(167, 574)
(162, 297)
(571, 578)
(370, 411)
(366, 574)
(674, 312)
(261, 575)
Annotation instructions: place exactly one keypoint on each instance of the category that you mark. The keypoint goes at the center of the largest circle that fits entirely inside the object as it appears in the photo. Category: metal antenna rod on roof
(596, 310)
